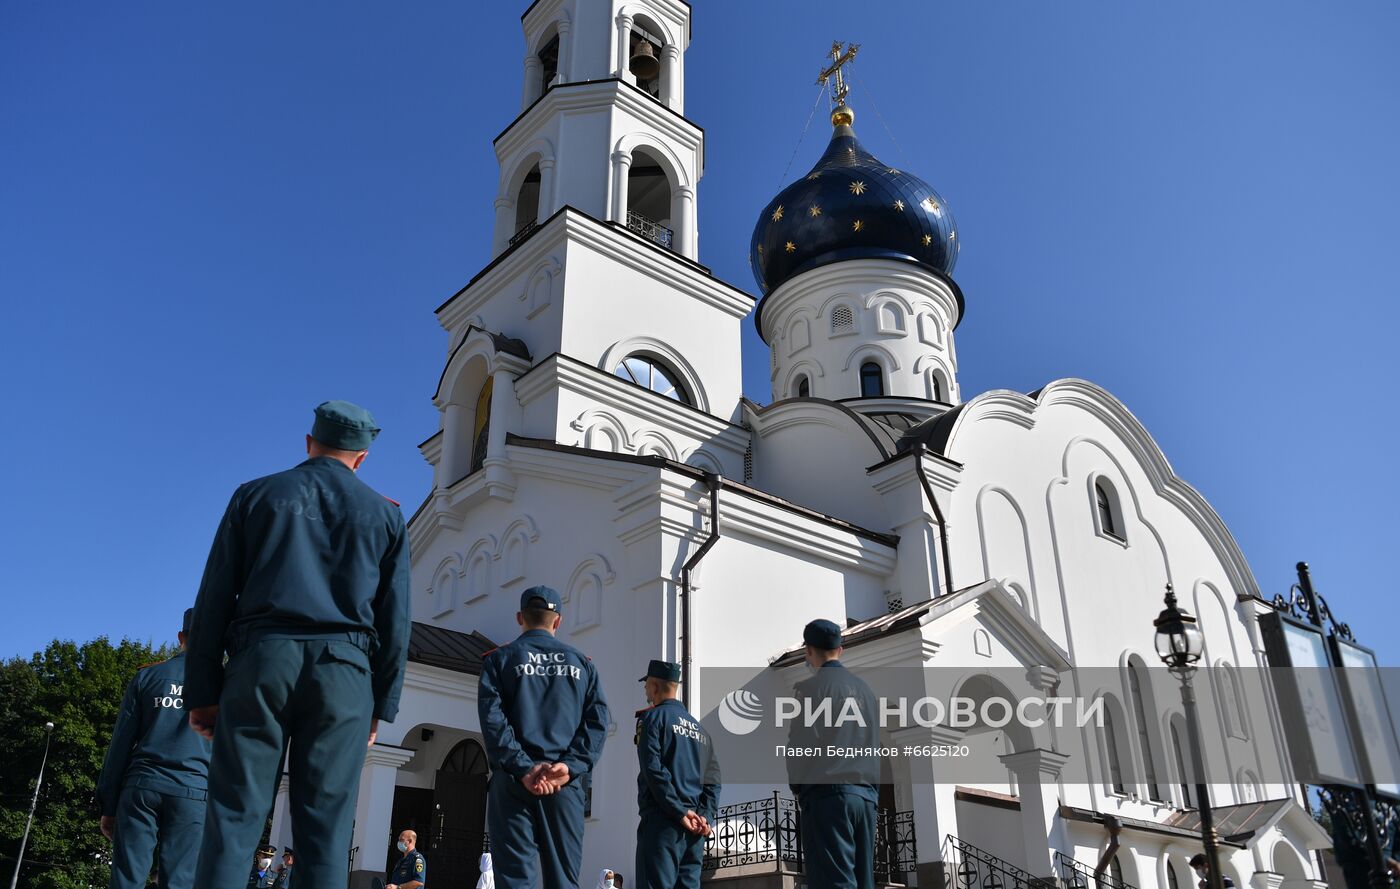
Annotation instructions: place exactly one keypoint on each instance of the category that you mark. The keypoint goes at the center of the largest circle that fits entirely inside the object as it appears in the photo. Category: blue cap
(671, 672)
(189, 620)
(343, 426)
(541, 597)
(822, 634)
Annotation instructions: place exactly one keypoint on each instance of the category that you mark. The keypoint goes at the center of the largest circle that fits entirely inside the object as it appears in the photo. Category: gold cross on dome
(839, 61)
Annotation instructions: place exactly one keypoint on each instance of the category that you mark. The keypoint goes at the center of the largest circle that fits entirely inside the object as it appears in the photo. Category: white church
(594, 437)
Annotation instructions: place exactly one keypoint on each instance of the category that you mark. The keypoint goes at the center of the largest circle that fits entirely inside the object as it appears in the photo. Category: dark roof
(932, 434)
(875, 627)
(1075, 813)
(449, 649)
(1233, 822)
(499, 341)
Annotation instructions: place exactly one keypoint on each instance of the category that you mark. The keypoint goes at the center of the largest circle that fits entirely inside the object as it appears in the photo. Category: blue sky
(212, 217)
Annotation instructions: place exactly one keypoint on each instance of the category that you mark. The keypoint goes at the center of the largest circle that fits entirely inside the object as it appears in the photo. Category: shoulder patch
(390, 499)
(486, 654)
(644, 710)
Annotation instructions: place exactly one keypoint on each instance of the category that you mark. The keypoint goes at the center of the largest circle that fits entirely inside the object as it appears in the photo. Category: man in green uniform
(677, 786)
(835, 795)
(262, 876)
(306, 589)
(153, 781)
(284, 875)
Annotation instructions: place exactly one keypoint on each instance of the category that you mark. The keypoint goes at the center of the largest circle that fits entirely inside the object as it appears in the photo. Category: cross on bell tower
(839, 61)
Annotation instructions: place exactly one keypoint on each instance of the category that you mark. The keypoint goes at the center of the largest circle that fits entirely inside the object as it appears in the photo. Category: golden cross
(838, 61)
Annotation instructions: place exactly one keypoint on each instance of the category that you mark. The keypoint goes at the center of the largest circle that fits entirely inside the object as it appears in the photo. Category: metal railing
(769, 831)
(974, 868)
(1078, 875)
(525, 231)
(649, 229)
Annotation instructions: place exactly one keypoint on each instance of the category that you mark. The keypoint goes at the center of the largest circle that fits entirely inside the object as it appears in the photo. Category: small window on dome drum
(804, 387)
(872, 380)
(843, 320)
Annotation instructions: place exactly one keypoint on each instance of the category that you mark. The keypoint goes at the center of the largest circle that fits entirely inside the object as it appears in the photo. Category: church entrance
(450, 819)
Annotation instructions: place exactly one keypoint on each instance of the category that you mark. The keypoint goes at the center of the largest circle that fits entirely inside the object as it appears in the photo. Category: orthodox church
(594, 437)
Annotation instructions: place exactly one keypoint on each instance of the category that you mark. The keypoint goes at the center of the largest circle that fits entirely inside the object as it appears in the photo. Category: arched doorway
(459, 815)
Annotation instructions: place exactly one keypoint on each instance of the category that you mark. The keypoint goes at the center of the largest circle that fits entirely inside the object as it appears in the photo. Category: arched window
(650, 373)
(1105, 510)
(527, 205)
(549, 63)
(1140, 711)
(872, 380)
(467, 758)
(1171, 876)
(481, 426)
(843, 321)
(649, 200)
(1115, 764)
(935, 388)
(1115, 870)
(644, 58)
(804, 387)
(1183, 775)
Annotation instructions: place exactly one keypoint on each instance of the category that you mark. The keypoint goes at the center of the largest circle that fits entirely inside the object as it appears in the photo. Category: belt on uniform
(243, 638)
(170, 788)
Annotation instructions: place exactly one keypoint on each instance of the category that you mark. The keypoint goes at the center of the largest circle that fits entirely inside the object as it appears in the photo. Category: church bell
(644, 65)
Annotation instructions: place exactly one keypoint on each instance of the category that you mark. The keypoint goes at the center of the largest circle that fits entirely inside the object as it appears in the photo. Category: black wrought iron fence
(1078, 875)
(769, 831)
(974, 868)
(649, 228)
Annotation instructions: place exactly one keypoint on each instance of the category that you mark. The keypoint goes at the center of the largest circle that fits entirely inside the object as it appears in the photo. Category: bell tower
(602, 126)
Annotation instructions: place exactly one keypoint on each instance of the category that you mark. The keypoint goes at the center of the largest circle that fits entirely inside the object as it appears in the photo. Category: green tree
(79, 689)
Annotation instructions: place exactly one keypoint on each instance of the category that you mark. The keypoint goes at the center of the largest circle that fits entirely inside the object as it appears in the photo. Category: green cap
(666, 670)
(343, 426)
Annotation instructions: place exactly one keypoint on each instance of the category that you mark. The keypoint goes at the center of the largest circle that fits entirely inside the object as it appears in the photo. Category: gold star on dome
(814, 210)
(790, 247)
(899, 205)
(892, 171)
(928, 239)
(760, 249)
(930, 205)
(778, 213)
(857, 188)
(858, 225)
(850, 151)
(815, 175)
(952, 235)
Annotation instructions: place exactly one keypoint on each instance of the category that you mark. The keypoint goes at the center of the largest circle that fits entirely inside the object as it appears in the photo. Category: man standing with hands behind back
(544, 719)
(307, 589)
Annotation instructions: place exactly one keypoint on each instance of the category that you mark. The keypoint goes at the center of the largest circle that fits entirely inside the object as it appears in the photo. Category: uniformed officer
(412, 870)
(306, 588)
(284, 875)
(544, 719)
(836, 796)
(152, 786)
(262, 876)
(677, 785)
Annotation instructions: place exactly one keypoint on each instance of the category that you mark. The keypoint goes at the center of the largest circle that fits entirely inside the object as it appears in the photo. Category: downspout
(711, 482)
(942, 524)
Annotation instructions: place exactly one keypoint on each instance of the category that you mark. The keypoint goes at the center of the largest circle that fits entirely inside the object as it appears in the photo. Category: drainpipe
(942, 524)
(711, 482)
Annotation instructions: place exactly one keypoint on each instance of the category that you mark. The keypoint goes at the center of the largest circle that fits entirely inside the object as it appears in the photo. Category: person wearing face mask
(1202, 869)
(836, 795)
(262, 876)
(605, 879)
(412, 870)
(677, 785)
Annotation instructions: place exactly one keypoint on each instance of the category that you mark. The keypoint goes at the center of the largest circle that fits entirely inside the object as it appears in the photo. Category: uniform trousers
(668, 855)
(313, 700)
(145, 816)
(838, 838)
(527, 829)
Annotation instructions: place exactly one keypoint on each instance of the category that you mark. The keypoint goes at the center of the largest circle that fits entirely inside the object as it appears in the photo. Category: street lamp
(1180, 645)
(33, 804)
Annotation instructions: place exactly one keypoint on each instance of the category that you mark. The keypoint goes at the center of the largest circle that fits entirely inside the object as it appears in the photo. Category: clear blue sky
(214, 216)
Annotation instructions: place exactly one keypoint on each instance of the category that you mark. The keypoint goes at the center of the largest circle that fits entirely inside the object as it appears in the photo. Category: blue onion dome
(851, 206)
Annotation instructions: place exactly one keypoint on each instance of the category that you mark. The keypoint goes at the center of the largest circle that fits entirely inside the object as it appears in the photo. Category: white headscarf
(603, 877)
(488, 877)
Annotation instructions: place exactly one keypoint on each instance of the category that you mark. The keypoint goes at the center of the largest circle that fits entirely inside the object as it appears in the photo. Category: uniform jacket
(539, 700)
(412, 866)
(819, 775)
(677, 771)
(262, 880)
(309, 553)
(152, 744)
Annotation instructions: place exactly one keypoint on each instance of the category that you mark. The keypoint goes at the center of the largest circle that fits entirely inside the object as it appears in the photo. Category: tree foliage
(79, 689)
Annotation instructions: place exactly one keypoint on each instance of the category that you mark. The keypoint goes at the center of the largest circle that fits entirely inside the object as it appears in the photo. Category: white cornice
(859, 276)
(603, 96)
(437, 680)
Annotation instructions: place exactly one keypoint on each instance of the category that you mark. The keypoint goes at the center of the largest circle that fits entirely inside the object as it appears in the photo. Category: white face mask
(264, 863)
(1200, 872)
(403, 847)
(608, 883)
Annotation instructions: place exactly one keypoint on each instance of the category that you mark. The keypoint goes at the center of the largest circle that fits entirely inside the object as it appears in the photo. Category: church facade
(594, 437)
